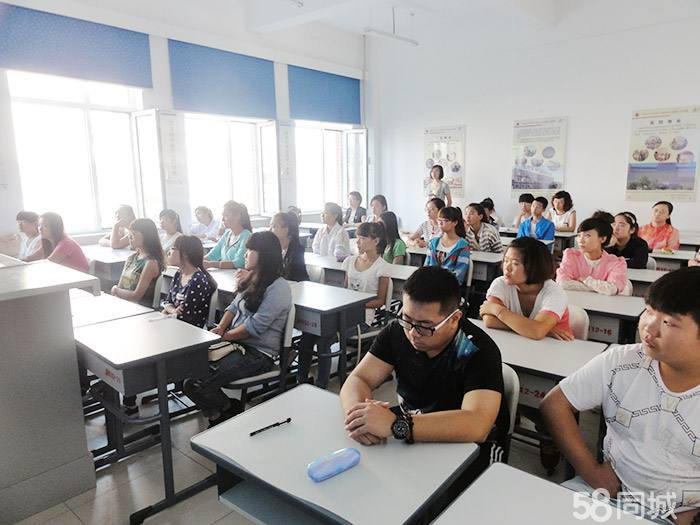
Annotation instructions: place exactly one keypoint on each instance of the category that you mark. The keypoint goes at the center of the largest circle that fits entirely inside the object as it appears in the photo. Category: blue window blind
(315, 95)
(59, 45)
(210, 80)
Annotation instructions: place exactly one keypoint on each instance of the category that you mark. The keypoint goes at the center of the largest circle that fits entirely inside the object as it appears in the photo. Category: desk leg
(343, 358)
(324, 362)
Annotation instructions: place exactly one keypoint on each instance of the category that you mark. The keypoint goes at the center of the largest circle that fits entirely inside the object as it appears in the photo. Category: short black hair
(373, 230)
(441, 171)
(543, 201)
(487, 203)
(675, 293)
(432, 284)
(601, 226)
(566, 196)
(603, 215)
(28, 216)
(439, 203)
(539, 266)
(381, 199)
(526, 197)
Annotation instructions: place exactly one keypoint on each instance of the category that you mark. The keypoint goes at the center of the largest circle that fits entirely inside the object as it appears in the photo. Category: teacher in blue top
(536, 225)
(229, 252)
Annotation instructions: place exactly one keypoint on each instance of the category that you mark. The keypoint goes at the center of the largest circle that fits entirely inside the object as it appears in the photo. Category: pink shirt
(607, 275)
(72, 254)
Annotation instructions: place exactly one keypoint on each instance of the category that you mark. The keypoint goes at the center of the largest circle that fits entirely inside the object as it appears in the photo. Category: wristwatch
(402, 427)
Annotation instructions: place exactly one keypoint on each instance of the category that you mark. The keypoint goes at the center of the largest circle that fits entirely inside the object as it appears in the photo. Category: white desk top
(396, 271)
(417, 250)
(89, 309)
(387, 486)
(6, 260)
(553, 357)
(508, 496)
(138, 339)
(678, 255)
(612, 305)
(484, 257)
(565, 235)
(644, 276)
(41, 277)
(105, 254)
(323, 298)
(691, 238)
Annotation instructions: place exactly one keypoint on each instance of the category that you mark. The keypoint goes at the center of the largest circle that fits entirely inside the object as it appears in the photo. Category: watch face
(400, 429)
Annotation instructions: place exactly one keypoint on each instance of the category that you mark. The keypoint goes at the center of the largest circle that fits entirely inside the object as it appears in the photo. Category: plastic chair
(356, 341)
(579, 322)
(651, 263)
(511, 392)
(158, 291)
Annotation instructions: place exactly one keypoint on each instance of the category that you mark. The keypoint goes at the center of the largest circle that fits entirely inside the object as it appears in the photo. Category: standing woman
(354, 214)
(190, 292)
(286, 229)
(119, 236)
(482, 236)
(172, 229)
(450, 250)
(332, 239)
(659, 234)
(562, 212)
(437, 188)
(256, 320)
(428, 229)
(378, 206)
(627, 243)
(229, 252)
(142, 268)
(395, 251)
(59, 247)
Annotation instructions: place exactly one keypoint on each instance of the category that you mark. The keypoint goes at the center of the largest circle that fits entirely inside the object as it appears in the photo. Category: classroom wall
(595, 65)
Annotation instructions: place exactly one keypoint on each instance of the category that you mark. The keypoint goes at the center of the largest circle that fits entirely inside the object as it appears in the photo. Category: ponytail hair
(454, 214)
(268, 269)
(670, 209)
(191, 249)
(172, 216)
(151, 241)
(238, 208)
(631, 219)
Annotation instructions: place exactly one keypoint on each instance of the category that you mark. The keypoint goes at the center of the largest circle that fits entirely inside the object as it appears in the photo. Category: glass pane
(46, 87)
(54, 165)
(208, 168)
(114, 165)
(333, 166)
(356, 158)
(268, 144)
(309, 168)
(244, 165)
(149, 164)
(111, 95)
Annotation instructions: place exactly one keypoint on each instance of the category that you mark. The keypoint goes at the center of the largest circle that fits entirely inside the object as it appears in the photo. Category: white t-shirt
(560, 220)
(168, 241)
(653, 438)
(28, 246)
(552, 300)
(428, 231)
(211, 231)
(334, 242)
(366, 281)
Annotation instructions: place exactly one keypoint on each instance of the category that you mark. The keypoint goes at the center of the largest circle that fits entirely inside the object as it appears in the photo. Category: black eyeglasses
(422, 330)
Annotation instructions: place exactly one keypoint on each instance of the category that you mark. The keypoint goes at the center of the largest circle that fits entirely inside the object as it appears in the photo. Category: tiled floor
(138, 480)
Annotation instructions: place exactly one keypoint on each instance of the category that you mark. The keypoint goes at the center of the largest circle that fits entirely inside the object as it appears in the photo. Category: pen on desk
(288, 420)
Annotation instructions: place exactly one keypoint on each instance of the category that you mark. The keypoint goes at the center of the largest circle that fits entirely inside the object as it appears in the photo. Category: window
(228, 159)
(331, 161)
(74, 147)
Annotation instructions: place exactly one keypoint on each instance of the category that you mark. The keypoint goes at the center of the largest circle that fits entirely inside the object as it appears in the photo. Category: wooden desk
(89, 309)
(641, 279)
(134, 355)
(508, 496)
(613, 318)
(265, 475)
(672, 261)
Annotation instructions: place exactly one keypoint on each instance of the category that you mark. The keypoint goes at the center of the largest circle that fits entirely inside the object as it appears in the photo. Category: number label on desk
(533, 389)
(308, 322)
(480, 272)
(667, 264)
(605, 329)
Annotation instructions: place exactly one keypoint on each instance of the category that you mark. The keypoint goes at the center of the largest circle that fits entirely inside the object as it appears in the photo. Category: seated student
(119, 236)
(354, 214)
(256, 320)
(537, 226)
(626, 243)
(437, 188)
(589, 267)
(296, 212)
(172, 229)
(229, 252)
(525, 299)
(377, 206)
(524, 212)
(491, 215)
(395, 251)
(659, 234)
(207, 226)
(142, 268)
(450, 250)
(286, 229)
(481, 235)
(430, 228)
(649, 394)
(332, 239)
(448, 371)
(30, 248)
(59, 247)
(562, 212)
(190, 292)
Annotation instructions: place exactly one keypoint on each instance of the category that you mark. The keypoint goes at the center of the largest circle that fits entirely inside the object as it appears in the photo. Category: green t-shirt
(398, 251)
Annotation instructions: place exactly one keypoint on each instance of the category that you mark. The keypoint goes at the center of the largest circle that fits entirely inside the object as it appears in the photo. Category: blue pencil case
(333, 464)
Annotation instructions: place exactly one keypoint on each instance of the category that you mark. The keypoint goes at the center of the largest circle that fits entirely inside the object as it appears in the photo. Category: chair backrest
(289, 328)
(316, 274)
(389, 295)
(213, 304)
(470, 274)
(157, 291)
(579, 322)
(651, 263)
(511, 391)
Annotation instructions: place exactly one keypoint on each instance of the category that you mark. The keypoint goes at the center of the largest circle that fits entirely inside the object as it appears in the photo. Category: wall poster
(539, 149)
(444, 146)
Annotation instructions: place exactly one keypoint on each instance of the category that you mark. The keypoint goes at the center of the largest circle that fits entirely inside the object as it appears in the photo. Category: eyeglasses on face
(421, 329)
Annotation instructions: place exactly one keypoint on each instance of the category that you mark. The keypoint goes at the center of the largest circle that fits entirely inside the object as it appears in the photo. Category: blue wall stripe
(59, 45)
(315, 95)
(209, 80)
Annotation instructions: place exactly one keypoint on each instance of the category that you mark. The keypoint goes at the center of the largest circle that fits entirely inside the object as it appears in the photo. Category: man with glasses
(450, 381)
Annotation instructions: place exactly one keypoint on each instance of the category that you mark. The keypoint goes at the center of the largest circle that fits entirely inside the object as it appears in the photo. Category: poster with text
(661, 163)
(539, 148)
(445, 147)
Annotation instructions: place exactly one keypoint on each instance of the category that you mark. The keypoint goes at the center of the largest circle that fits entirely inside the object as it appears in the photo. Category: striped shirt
(489, 240)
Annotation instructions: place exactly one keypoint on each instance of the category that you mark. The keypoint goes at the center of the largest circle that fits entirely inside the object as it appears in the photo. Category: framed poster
(661, 162)
(539, 149)
(445, 147)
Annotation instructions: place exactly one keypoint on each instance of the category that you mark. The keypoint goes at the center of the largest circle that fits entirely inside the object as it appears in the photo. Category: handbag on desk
(220, 350)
